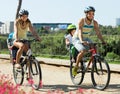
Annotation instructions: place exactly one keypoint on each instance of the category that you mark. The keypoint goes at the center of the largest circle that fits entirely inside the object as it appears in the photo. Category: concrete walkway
(61, 62)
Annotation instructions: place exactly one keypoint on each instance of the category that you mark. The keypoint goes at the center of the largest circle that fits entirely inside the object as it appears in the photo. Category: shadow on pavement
(114, 88)
(65, 88)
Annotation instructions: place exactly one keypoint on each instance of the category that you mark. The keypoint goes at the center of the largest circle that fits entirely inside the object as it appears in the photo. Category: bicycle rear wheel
(18, 75)
(78, 79)
(35, 74)
(100, 73)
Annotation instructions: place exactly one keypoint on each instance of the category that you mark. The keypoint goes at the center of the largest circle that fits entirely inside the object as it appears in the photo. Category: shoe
(73, 60)
(17, 66)
(74, 70)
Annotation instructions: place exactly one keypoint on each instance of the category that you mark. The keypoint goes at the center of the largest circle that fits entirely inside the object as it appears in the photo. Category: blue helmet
(89, 8)
(23, 12)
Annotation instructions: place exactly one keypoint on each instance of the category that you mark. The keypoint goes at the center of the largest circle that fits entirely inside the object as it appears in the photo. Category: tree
(18, 8)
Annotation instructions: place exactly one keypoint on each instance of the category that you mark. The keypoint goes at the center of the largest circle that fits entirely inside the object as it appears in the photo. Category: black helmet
(23, 12)
(89, 8)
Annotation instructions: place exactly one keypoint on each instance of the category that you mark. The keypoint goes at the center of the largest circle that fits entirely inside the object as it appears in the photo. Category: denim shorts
(79, 46)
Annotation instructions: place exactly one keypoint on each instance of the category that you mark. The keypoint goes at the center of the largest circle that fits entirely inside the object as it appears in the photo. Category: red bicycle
(100, 71)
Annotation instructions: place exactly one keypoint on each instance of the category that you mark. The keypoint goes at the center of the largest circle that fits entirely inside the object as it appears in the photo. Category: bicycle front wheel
(35, 73)
(100, 73)
(78, 79)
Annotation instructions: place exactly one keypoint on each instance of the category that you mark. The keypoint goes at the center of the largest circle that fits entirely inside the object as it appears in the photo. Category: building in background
(7, 27)
(51, 26)
(117, 21)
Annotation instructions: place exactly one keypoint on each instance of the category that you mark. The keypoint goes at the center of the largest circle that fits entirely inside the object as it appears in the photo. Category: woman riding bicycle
(21, 26)
(81, 38)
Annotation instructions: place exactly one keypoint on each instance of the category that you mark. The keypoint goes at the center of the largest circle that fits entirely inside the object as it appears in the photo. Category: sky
(62, 11)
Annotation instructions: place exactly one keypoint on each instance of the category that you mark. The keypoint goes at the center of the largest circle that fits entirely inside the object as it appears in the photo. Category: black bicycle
(30, 67)
(100, 71)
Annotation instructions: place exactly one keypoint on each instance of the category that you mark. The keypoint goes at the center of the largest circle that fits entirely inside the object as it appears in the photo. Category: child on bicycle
(68, 40)
(81, 38)
(21, 26)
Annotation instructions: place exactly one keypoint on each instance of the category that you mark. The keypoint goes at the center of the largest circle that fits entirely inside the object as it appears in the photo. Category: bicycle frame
(93, 51)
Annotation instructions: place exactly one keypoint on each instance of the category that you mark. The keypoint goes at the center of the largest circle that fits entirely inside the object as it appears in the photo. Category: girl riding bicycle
(21, 27)
(81, 39)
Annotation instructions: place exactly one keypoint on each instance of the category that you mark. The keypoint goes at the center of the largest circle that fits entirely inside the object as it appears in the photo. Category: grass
(5, 51)
(114, 62)
(53, 56)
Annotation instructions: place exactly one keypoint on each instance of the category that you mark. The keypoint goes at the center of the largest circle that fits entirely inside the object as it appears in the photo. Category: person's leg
(20, 47)
(81, 50)
(79, 57)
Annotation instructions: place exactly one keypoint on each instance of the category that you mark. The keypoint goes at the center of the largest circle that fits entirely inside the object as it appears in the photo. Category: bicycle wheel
(35, 73)
(18, 75)
(100, 73)
(77, 80)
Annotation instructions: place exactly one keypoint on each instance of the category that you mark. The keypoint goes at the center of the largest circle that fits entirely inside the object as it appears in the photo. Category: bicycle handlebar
(95, 43)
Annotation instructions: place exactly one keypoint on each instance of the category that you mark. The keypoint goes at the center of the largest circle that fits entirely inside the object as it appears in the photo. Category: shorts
(79, 46)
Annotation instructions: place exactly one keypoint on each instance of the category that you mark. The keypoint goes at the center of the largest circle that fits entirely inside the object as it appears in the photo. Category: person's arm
(67, 42)
(32, 30)
(96, 27)
(16, 30)
(80, 30)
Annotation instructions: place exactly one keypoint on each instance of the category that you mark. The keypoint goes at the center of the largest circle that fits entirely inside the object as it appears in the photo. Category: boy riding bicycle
(68, 40)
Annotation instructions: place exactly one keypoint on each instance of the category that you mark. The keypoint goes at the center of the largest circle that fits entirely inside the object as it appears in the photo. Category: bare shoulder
(16, 21)
(81, 22)
(95, 23)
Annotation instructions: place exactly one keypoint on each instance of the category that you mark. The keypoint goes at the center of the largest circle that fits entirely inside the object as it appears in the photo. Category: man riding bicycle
(81, 39)
(21, 27)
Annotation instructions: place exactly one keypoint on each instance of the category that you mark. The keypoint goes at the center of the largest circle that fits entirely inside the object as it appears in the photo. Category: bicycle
(100, 70)
(29, 66)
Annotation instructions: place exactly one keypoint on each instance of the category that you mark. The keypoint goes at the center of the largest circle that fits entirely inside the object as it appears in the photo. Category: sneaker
(74, 70)
(73, 60)
(17, 66)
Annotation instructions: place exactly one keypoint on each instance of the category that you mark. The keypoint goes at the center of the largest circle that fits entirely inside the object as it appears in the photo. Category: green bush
(112, 56)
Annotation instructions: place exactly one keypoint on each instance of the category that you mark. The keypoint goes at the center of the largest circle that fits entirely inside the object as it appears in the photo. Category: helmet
(23, 12)
(89, 8)
(71, 27)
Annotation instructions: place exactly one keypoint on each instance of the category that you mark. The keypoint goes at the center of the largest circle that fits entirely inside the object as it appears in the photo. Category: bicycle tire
(78, 79)
(18, 75)
(100, 73)
(35, 73)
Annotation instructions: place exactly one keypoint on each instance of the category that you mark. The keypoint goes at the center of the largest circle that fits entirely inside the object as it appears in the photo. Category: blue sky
(49, 11)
